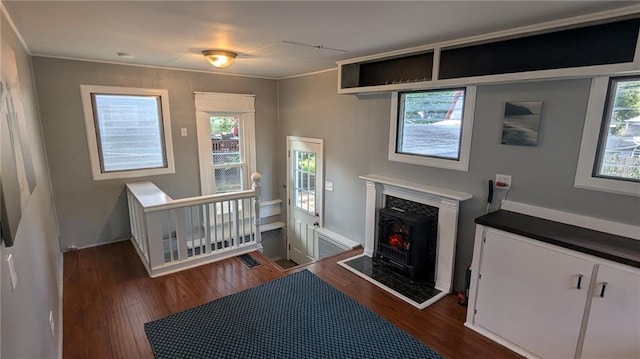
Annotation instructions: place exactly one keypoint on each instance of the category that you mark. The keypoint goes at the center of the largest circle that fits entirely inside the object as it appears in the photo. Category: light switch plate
(12, 272)
(183, 132)
(328, 185)
(52, 324)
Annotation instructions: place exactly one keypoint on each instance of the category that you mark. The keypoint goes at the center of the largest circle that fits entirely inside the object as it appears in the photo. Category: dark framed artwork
(521, 123)
(18, 175)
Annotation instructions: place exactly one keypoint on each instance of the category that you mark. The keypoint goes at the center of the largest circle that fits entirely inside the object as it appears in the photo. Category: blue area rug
(295, 317)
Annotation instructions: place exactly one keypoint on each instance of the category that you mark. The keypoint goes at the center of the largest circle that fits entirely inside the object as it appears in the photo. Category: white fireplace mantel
(448, 203)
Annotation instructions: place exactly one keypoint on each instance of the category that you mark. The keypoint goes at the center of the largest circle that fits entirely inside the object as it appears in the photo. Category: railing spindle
(257, 187)
(207, 230)
(215, 224)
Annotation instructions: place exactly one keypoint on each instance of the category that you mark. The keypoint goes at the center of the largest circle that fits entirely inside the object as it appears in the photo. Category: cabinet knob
(604, 287)
(579, 281)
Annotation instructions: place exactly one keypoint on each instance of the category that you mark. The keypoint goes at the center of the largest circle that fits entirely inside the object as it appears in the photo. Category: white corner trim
(589, 146)
(59, 331)
(596, 224)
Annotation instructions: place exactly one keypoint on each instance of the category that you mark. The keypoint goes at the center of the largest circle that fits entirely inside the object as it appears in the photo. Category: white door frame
(319, 200)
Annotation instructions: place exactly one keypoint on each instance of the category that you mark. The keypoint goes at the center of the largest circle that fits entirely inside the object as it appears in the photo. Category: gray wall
(25, 312)
(356, 132)
(92, 212)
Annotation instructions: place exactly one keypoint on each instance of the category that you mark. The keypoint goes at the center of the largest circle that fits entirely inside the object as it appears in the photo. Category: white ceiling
(173, 33)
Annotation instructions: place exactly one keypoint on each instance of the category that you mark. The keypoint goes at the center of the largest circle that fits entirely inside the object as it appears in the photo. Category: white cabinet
(613, 325)
(542, 300)
(525, 286)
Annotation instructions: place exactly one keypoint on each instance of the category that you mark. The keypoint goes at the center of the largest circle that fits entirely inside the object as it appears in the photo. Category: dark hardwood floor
(108, 297)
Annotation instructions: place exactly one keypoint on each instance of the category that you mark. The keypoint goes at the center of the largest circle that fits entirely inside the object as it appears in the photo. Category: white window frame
(241, 105)
(589, 145)
(87, 104)
(462, 163)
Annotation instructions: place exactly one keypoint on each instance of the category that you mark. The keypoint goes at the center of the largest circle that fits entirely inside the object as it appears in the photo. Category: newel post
(257, 187)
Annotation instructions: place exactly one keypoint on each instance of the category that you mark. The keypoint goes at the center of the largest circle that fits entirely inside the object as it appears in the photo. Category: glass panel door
(305, 181)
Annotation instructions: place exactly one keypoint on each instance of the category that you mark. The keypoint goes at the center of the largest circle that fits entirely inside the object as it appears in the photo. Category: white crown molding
(308, 74)
(4, 11)
(152, 66)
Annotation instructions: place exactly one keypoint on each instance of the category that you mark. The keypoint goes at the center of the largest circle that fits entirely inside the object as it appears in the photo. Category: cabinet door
(613, 327)
(529, 295)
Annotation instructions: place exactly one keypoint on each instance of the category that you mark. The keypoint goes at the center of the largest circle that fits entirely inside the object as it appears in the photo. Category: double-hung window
(128, 131)
(432, 127)
(226, 141)
(228, 153)
(610, 151)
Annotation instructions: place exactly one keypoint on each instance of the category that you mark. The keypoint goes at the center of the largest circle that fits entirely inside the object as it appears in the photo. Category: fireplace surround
(379, 190)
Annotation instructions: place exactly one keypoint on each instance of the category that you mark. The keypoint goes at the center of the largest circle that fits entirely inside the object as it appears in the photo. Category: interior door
(304, 173)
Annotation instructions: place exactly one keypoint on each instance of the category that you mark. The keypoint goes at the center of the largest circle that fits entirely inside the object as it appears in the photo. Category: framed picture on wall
(521, 123)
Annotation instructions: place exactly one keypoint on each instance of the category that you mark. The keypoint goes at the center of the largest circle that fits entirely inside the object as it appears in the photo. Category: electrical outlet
(52, 324)
(503, 181)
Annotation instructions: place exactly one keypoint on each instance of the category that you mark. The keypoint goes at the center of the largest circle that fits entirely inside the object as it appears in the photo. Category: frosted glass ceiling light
(219, 58)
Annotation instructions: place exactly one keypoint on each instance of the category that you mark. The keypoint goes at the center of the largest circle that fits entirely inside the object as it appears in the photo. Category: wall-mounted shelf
(603, 43)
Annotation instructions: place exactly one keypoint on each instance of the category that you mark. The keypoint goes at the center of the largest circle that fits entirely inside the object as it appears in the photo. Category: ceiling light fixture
(219, 58)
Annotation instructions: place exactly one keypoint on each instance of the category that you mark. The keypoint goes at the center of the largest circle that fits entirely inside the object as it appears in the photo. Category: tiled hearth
(447, 202)
(394, 281)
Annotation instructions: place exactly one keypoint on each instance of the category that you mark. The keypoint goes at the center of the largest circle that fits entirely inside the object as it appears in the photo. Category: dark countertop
(604, 245)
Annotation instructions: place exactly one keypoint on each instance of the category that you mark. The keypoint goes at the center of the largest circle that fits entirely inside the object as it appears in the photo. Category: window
(304, 174)
(226, 141)
(230, 169)
(432, 127)
(128, 131)
(610, 151)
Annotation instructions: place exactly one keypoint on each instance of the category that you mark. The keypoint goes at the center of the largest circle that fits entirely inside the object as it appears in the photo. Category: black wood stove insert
(406, 243)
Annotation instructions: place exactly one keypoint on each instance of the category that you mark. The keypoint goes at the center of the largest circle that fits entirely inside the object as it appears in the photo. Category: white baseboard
(498, 339)
(271, 226)
(339, 239)
(74, 248)
(270, 208)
